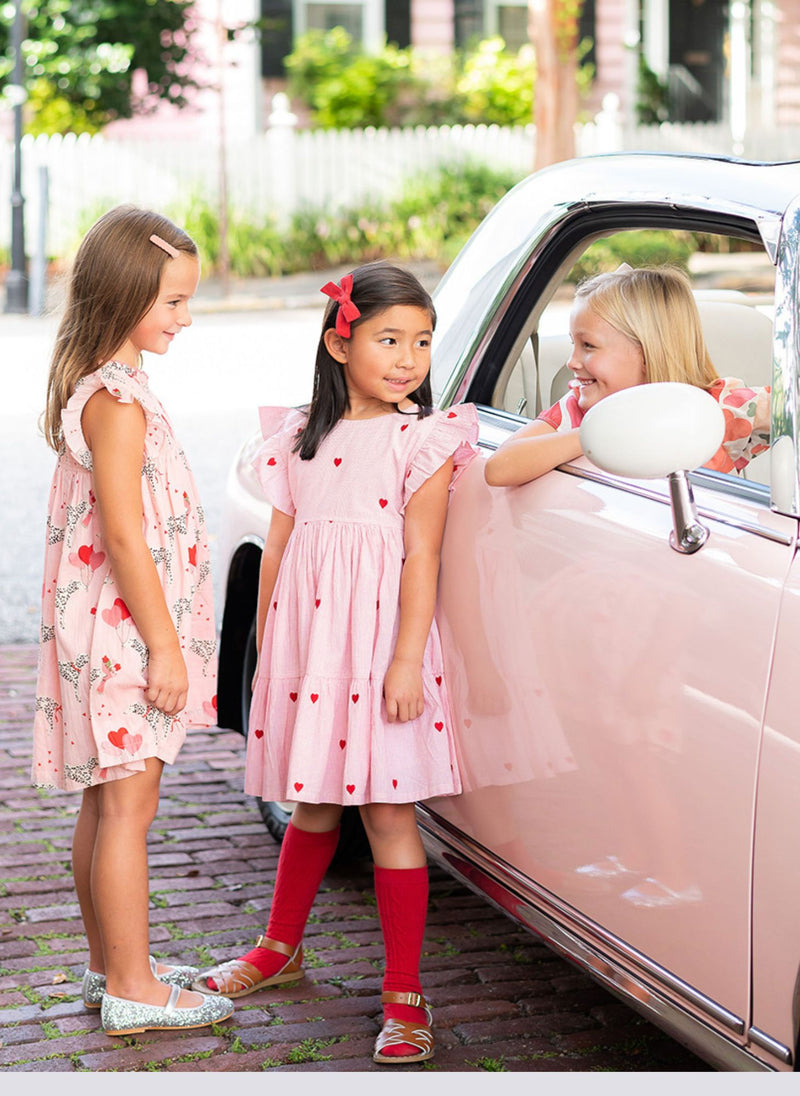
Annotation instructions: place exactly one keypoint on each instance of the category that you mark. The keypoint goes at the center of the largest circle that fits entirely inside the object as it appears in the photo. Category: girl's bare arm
(280, 529)
(535, 449)
(424, 528)
(115, 434)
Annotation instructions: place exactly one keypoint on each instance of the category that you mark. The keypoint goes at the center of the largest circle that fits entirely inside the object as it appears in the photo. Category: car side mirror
(657, 431)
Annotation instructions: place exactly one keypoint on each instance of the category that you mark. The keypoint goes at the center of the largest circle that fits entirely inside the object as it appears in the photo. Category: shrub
(639, 248)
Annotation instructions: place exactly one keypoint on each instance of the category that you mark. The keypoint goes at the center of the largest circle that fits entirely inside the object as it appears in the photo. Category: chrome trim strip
(620, 969)
(770, 1044)
(654, 496)
(785, 424)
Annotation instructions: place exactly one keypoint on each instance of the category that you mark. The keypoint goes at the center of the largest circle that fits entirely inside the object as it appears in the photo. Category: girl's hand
(402, 691)
(168, 681)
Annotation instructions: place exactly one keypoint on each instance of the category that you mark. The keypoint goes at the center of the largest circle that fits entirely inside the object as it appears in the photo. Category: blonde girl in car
(350, 702)
(630, 327)
(127, 657)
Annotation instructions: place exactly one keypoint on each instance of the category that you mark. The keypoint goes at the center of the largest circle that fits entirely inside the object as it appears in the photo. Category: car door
(608, 694)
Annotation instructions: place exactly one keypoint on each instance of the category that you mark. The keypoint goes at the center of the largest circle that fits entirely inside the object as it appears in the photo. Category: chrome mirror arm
(688, 534)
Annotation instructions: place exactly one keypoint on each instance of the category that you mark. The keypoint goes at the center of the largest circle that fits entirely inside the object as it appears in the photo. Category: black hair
(376, 287)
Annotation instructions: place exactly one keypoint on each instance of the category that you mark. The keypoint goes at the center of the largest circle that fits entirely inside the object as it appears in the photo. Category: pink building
(733, 61)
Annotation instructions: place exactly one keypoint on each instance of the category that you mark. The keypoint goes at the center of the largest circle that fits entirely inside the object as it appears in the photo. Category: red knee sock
(304, 859)
(402, 895)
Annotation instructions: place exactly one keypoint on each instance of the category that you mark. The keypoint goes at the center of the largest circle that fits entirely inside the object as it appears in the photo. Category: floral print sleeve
(747, 423)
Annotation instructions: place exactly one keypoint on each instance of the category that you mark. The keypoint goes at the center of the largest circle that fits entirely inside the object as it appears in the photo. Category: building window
(327, 16)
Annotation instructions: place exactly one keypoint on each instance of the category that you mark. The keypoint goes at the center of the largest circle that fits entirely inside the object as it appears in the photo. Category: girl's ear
(335, 345)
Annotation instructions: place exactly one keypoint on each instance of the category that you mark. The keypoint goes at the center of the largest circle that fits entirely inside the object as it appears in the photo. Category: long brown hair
(113, 283)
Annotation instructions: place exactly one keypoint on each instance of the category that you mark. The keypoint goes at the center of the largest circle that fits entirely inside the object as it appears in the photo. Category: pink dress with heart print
(92, 722)
(318, 727)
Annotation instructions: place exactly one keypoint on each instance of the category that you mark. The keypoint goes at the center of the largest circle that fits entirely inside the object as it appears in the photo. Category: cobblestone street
(501, 1001)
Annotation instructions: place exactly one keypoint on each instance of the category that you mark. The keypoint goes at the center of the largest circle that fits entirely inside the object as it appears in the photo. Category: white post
(282, 125)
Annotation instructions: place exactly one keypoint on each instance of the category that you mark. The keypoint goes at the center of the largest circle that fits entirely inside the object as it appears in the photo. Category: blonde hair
(655, 307)
(113, 283)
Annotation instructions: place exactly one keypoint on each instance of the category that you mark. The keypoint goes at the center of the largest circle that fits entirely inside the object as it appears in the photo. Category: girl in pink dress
(629, 327)
(350, 702)
(128, 646)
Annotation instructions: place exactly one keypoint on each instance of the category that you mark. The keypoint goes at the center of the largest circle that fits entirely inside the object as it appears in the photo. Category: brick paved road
(501, 1001)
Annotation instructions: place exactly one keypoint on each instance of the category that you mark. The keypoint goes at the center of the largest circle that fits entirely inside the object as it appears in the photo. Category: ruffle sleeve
(747, 414)
(123, 382)
(279, 428)
(453, 433)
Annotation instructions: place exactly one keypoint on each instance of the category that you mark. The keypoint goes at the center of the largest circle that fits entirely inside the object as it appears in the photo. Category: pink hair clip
(170, 250)
(347, 310)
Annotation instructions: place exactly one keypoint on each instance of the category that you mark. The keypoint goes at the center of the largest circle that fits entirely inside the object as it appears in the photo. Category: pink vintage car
(620, 634)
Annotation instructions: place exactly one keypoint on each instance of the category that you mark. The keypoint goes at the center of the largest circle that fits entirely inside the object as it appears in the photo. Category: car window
(733, 282)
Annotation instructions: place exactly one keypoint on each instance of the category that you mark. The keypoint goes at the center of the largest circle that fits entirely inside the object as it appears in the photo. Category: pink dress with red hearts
(92, 722)
(318, 727)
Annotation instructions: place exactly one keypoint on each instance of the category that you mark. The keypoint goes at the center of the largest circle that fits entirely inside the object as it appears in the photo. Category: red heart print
(293, 696)
(394, 783)
(297, 786)
(85, 553)
(452, 415)
(383, 503)
(404, 426)
(355, 697)
(272, 461)
(342, 743)
(508, 765)
(117, 738)
(275, 605)
(337, 461)
(314, 698)
(258, 732)
(193, 555)
(439, 726)
(468, 723)
(438, 679)
(316, 604)
(351, 788)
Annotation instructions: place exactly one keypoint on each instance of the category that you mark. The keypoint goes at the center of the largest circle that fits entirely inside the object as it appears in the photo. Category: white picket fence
(286, 169)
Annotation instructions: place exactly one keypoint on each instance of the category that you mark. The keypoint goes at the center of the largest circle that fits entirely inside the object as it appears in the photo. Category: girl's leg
(83, 842)
(306, 853)
(120, 893)
(401, 889)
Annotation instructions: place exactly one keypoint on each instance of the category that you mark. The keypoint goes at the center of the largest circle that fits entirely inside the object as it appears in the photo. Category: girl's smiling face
(169, 313)
(387, 356)
(603, 360)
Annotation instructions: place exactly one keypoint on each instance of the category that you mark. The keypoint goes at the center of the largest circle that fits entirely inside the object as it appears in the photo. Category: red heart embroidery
(404, 426)
(383, 503)
(258, 732)
(293, 696)
(117, 738)
(355, 697)
(271, 461)
(316, 604)
(394, 783)
(297, 786)
(337, 461)
(314, 698)
(342, 743)
(452, 415)
(438, 726)
(351, 788)
(274, 605)
(438, 679)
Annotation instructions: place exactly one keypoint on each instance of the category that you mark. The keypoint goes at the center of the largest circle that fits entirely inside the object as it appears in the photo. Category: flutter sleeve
(564, 415)
(747, 414)
(452, 433)
(124, 383)
(279, 428)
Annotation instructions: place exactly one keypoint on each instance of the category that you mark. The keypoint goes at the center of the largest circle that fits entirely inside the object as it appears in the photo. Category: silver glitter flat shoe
(93, 985)
(121, 1017)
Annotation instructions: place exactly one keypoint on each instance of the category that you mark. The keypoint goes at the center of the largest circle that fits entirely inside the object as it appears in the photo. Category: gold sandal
(238, 978)
(395, 1032)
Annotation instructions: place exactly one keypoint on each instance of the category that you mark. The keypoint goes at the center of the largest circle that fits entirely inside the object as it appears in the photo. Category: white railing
(285, 168)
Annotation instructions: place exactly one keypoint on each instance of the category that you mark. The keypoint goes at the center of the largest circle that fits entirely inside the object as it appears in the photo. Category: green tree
(80, 57)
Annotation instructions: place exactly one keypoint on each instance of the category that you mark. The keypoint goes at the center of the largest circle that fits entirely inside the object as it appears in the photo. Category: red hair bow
(347, 310)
